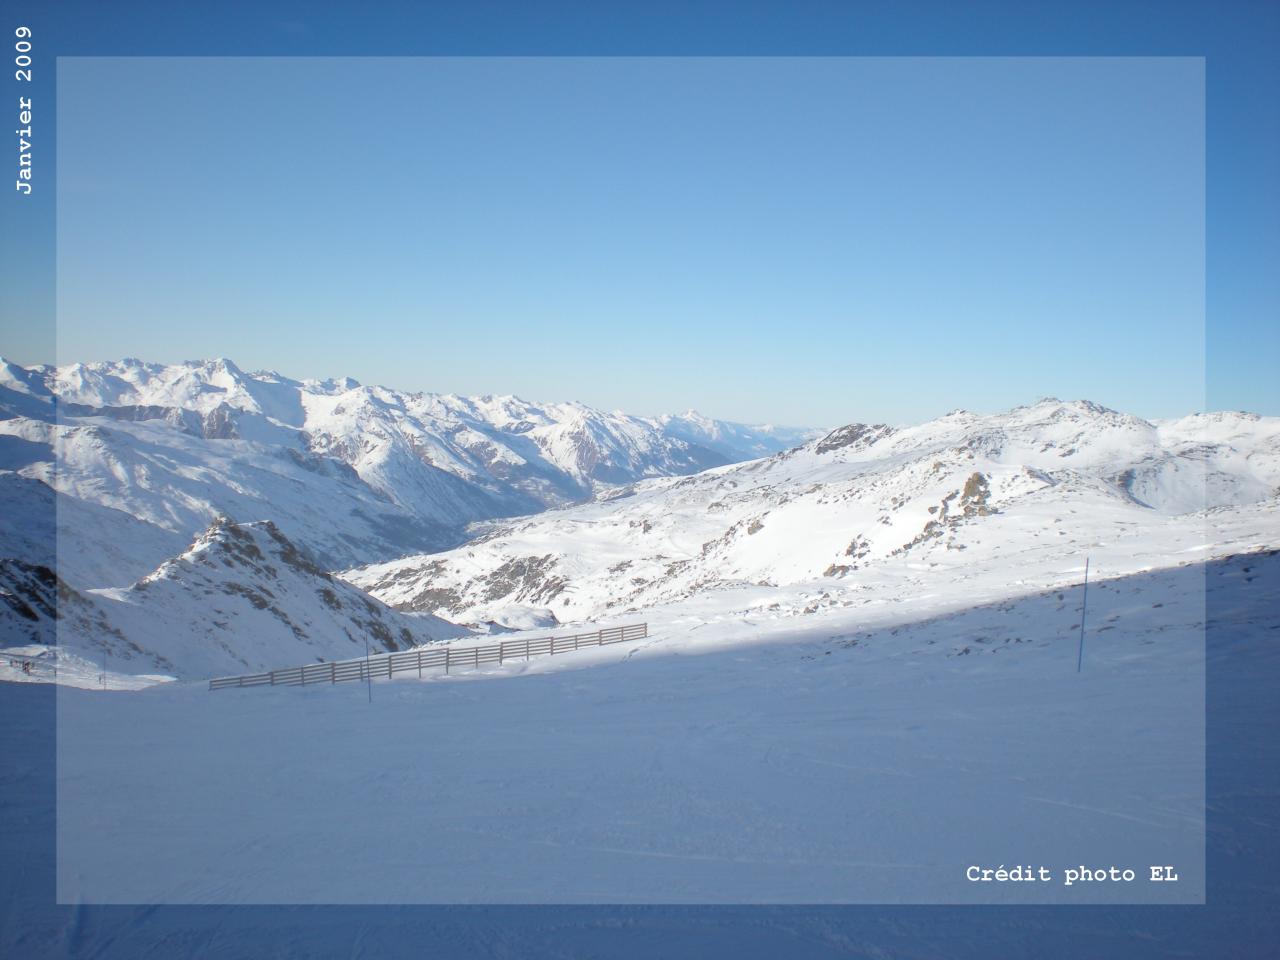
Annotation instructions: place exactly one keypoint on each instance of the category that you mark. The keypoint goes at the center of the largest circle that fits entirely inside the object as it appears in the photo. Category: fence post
(419, 664)
(1083, 612)
(477, 649)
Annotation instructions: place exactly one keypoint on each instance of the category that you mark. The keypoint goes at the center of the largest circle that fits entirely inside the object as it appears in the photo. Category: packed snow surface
(828, 761)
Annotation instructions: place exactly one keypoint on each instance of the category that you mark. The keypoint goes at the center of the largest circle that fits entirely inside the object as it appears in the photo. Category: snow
(859, 680)
(1243, 842)
(174, 446)
(41, 663)
(874, 515)
(241, 599)
(834, 762)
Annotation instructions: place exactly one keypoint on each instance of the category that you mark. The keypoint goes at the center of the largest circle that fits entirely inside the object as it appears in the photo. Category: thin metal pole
(368, 669)
(1083, 611)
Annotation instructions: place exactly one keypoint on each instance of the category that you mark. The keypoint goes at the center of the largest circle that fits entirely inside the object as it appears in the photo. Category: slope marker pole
(368, 669)
(1083, 612)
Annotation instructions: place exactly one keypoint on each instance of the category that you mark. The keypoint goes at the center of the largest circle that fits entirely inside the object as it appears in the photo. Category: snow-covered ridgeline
(354, 473)
(124, 465)
(870, 511)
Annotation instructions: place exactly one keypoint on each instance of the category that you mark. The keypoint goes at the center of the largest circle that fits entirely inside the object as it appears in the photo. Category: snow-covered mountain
(827, 524)
(241, 598)
(353, 473)
(125, 464)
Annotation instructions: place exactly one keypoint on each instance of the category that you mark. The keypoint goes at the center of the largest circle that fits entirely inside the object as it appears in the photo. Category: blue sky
(804, 240)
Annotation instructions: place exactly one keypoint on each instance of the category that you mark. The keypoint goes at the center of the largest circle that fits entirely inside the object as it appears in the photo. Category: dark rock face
(526, 580)
(530, 579)
(33, 599)
(859, 434)
(28, 590)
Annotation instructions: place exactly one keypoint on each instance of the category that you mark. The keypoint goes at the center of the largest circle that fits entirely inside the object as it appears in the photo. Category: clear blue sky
(803, 240)
(799, 240)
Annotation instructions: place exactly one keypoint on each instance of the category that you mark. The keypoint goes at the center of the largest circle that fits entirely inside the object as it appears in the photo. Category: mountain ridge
(833, 514)
(356, 473)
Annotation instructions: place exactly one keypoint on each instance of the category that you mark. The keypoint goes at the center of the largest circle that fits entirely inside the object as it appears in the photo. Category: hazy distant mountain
(734, 441)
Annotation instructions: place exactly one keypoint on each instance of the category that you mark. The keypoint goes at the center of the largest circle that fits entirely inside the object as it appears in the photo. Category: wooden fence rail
(424, 658)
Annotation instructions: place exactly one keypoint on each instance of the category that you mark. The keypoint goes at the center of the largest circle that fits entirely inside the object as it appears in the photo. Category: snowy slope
(323, 761)
(839, 762)
(242, 598)
(1035, 488)
(354, 473)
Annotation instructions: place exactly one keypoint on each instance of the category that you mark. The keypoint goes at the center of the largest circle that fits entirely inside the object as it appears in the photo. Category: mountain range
(184, 519)
(354, 473)
(209, 520)
(869, 511)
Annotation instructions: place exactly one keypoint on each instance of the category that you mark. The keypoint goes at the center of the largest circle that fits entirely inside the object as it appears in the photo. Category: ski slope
(834, 763)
